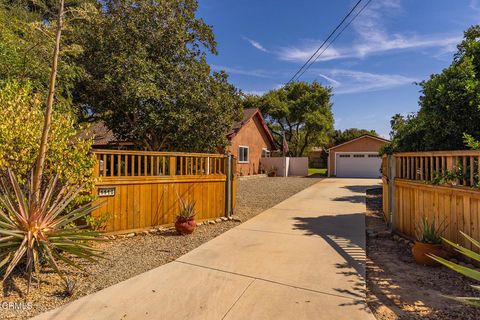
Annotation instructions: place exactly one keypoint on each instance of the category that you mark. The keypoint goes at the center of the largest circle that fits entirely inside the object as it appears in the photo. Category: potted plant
(428, 242)
(185, 223)
(272, 172)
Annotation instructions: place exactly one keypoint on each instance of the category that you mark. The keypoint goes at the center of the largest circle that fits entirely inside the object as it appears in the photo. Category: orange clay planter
(420, 250)
(185, 226)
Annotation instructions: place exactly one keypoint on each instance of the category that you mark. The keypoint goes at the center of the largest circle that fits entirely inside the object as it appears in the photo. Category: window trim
(248, 154)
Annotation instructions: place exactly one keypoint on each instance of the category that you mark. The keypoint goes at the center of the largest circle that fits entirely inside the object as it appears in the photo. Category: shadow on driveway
(345, 233)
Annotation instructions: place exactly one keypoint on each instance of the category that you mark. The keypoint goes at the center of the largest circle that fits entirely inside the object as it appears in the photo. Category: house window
(243, 154)
(265, 153)
(359, 156)
(344, 156)
(373, 156)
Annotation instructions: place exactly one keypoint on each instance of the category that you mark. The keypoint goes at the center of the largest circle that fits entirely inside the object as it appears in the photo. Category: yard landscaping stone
(130, 255)
(398, 288)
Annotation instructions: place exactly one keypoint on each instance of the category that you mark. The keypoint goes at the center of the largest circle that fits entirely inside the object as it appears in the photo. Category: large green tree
(300, 110)
(340, 136)
(147, 76)
(27, 35)
(449, 105)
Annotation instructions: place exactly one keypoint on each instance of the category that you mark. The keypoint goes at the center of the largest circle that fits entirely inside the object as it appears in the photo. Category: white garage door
(358, 165)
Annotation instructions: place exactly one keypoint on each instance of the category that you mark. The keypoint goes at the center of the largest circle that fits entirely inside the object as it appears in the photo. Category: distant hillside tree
(449, 105)
(301, 110)
(148, 79)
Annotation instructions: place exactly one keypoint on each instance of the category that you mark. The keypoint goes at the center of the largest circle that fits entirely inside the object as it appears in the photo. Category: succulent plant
(31, 231)
(187, 211)
(466, 271)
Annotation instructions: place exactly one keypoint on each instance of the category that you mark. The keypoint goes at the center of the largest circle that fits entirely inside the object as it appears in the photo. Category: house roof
(104, 136)
(248, 115)
(358, 138)
(101, 135)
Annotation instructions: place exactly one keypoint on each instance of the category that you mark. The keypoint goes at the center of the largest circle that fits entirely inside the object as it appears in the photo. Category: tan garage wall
(362, 144)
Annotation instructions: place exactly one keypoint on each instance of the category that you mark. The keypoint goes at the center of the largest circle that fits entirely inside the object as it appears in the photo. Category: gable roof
(358, 138)
(248, 115)
(102, 136)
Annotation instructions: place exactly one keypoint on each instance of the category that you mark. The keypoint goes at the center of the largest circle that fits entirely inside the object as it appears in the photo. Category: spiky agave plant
(466, 271)
(187, 210)
(32, 230)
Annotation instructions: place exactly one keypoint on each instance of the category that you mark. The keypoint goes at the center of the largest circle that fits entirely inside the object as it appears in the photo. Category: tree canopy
(338, 136)
(26, 41)
(449, 105)
(300, 110)
(147, 77)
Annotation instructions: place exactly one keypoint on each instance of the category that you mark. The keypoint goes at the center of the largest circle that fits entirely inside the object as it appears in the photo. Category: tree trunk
(38, 173)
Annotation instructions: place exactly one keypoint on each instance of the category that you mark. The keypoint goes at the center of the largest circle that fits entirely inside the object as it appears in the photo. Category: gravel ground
(127, 257)
(398, 288)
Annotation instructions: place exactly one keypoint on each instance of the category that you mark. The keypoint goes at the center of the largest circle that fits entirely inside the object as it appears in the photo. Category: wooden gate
(143, 189)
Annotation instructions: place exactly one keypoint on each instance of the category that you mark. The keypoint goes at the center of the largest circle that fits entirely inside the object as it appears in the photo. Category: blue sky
(372, 67)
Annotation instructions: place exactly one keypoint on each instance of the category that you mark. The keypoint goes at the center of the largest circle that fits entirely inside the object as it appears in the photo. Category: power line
(324, 42)
(335, 38)
(306, 65)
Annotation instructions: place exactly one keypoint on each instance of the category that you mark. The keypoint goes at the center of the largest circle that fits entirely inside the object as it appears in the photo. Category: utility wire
(324, 42)
(333, 40)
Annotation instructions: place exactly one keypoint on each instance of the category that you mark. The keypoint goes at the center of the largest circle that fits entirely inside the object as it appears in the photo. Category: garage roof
(361, 137)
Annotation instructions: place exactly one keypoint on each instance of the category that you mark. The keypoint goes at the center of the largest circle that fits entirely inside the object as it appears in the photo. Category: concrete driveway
(302, 259)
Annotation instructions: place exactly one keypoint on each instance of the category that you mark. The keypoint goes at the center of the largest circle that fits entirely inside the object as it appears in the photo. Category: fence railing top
(156, 153)
(439, 153)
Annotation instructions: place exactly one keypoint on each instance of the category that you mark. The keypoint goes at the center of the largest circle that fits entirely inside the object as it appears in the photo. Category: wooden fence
(143, 189)
(422, 184)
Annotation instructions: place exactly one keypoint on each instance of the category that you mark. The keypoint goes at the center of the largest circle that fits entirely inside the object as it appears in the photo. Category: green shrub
(21, 123)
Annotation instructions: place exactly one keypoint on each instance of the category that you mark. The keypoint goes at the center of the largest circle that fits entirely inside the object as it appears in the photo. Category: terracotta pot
(420, 249)
(185, 227)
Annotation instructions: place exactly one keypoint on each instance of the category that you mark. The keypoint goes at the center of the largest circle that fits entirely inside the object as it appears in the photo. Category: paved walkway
(302, 259)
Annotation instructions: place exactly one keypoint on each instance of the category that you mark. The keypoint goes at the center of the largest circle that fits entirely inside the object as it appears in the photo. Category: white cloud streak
(351, 81)
(372, 38)
(245, 72)
(255, 44)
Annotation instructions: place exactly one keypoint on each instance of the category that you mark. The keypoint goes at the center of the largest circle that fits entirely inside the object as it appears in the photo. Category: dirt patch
(131, 256)
(398, 288)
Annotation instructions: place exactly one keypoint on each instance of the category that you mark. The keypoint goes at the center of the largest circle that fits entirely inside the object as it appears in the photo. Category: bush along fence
(440, 185)
(141, 189)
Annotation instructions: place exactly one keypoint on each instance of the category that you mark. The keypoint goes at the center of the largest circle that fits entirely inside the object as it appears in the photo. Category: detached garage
(357, 158)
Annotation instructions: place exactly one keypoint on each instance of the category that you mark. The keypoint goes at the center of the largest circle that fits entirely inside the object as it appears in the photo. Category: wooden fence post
(228, 187)
(172, 167)
(391, 191)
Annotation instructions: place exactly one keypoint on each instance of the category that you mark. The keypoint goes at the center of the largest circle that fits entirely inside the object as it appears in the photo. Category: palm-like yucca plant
(32, 231)
(468, 272)
(187, 211)
(429, 232)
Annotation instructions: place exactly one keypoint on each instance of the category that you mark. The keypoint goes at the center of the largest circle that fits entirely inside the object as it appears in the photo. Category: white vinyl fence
(287, 166)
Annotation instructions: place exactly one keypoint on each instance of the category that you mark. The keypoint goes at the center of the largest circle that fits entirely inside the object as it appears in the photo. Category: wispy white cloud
(255, 44)
(304, 52)
(345, 81)
(474, 5)
(372, 37)
(245, 72)
(333, 82)
(254, 92)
